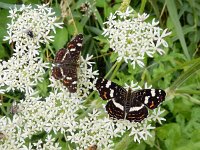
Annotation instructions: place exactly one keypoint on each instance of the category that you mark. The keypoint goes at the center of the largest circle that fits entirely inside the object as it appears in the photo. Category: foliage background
(177, 71)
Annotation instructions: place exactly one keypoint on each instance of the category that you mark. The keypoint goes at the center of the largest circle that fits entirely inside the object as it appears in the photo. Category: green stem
(111, 70)
(143, 4)
(188, 92)
(181, 66)
(183, 77)
(10, 97)
(116, 69)
(190, 98)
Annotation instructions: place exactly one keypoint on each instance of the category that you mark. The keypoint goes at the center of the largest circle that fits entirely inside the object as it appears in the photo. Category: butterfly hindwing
(137, 112)
(114, 111)
(70, 80)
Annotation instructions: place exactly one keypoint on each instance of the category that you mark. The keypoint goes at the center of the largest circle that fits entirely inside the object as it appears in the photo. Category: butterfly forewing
(62, 56)
(108, 89)
(66, 63)
(75, 47)
(150, 97)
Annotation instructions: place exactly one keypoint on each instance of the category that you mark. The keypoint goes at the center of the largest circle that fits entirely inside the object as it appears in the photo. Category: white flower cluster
(132, 38)
(31, 26)
(95, 130)
(28, 28)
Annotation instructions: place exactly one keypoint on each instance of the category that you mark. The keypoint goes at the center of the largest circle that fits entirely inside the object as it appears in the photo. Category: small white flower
(156, 115)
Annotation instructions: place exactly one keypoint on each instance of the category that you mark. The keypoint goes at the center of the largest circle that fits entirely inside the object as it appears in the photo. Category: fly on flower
(130, 105)
(66, 63)
(14, 108)
(30, 33)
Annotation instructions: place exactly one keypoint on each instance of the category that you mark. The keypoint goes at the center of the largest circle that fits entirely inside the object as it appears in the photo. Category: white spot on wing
(111, 93)
(68, 78)
(74, 82)
(146, 100)
(118, 105)
(79, 44)
(73, 49)
(153, 92)
(108, 84)
(61, 70)
(136, 108)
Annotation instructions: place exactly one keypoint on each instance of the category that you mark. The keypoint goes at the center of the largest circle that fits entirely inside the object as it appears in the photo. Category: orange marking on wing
(65, 81)
(110, 110)
(70, 45)
(104, 95)
(152, 104)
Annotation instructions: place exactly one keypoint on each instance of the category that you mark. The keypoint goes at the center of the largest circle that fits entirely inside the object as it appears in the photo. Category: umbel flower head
(31, 25)
(28, 29)
(131, 37)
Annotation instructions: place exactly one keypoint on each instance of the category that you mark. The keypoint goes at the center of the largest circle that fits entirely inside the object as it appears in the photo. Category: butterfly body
(129, 105)
(66, 63)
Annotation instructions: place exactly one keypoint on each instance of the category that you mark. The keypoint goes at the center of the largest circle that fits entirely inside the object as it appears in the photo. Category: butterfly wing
(137, 112)
(108, 90)
(66, 63)
(75, 47)
(115, 94)
(70, 80)
(141, 99)
(150, 97)
(115, 110)
(57, 71)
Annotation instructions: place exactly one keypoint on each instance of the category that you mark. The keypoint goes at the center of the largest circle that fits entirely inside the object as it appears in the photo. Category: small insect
(14, 108)
(130, 105)
(30, 33)
(2, 136)
(66, 63)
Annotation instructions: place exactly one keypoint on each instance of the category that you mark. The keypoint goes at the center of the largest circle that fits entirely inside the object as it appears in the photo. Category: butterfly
(66, 63)
(129, 105)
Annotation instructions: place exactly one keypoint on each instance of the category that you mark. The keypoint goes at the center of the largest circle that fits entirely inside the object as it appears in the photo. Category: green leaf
(3, 23)
(175, 19)
(170, 135)
(42, 87)
(61, 38)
